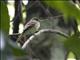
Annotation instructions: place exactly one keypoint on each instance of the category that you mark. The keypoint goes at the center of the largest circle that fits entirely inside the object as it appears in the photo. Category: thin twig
(42, 31)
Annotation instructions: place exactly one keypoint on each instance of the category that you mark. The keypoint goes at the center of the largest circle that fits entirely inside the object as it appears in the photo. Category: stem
(42, 31)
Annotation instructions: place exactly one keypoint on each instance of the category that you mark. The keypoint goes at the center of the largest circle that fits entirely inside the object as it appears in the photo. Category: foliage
(16, 51)
(4, 23)
(9, 46)
(66, 7)
(73, 44)
(69, 10)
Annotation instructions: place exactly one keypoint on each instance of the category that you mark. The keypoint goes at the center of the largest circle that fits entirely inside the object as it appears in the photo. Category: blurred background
(15, 14)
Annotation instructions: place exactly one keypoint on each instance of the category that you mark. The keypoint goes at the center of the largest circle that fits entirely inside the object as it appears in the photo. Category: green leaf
(8, 46)
(16, 51)
(4, 17)
(73, 44)
(66, 7)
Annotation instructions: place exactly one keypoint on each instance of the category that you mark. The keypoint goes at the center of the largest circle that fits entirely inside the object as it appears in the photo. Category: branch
(42, 31)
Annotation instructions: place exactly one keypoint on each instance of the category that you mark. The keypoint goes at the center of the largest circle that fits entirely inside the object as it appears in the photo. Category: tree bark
(17, 17)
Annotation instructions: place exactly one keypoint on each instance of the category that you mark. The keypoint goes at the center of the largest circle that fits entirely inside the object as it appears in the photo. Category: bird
(30, 28)
(33, 23)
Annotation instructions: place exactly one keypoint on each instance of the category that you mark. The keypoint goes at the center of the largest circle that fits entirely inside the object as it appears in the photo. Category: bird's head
(34, 22)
